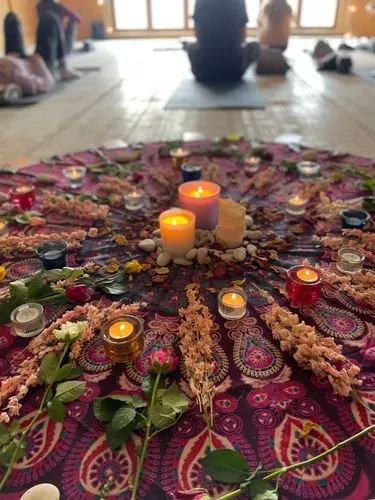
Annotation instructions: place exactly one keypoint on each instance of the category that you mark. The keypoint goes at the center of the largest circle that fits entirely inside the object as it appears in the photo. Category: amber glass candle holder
(304, 284)
(123, 338)
(179, 156)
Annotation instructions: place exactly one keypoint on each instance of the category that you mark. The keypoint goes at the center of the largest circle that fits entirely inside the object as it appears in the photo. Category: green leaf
(105, 408)
(36, 289)
(175, 398)
(114, 288)
(138, 402)
(140, 421)
(53, 275)
(370, 184)
(162, 416)
(5, 435)
(226, 466)
(116, 438)
(6, 453)
(125, 398)
(56, 410)
(262, 490)
(76, 372)
(48, 368)
(64, 372)
(123, 417)
(70, 391)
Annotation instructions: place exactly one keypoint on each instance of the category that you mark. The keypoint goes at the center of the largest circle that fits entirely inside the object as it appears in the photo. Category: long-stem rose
(163, 360)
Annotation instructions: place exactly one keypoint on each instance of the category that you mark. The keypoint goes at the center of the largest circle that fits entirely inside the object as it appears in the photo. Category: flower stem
(27, 429)
(146, 440)
(284, 470)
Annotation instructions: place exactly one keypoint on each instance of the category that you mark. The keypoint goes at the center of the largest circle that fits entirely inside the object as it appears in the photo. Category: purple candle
(201, 198)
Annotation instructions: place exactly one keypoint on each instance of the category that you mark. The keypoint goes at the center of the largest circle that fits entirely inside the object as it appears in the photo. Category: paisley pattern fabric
(263, 398)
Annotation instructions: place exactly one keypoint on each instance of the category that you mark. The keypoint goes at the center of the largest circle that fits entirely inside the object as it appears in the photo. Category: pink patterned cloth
(31, 74)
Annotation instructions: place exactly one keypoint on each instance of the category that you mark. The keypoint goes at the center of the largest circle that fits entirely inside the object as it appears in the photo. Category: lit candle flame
(199, 192)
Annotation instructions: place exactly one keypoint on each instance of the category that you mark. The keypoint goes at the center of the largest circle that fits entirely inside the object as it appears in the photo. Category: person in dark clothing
(221, 53)
(13, 34)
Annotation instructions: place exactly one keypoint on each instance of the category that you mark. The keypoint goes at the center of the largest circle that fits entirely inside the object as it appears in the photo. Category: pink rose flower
(163, 360)
(79, 293)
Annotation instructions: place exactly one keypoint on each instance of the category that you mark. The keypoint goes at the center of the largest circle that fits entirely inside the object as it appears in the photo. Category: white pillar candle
(177, 228)
(232, 225)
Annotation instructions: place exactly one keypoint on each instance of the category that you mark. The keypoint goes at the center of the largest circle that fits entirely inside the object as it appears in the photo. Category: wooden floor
(126, 100)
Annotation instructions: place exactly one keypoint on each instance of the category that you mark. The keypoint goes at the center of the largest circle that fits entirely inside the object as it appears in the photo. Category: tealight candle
(134, 201)
(177, 228)
(232, 303)
(296, 205)
(191, 172)
(308, 170)
(3, 227)
(75, 175)
(179, 156)
(349, 260)
(28, 320)
(53, 254)
(23, 196)
(252, 163)
(201, 198)
(304, 284)
(354, 219)
(123, 338)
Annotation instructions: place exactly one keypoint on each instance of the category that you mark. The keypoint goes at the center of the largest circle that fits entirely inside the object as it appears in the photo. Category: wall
(360, 22)
(90, 11)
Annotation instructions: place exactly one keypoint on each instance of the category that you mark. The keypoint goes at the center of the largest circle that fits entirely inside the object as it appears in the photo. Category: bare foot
(68, 74)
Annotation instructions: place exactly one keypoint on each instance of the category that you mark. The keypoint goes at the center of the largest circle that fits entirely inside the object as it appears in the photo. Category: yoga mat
(194, 95)
(60, 87)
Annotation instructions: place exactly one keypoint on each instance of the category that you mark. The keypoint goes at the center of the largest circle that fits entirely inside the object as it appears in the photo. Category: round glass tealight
(304, 284)
(123, 338)
(53, 254)
(191, 172)
(349, 260)
(252, 164)
(308, 170)
(354, 219)
(296, 205)
(134, 201)
(75, 176)
(28, 320)
(232, 303)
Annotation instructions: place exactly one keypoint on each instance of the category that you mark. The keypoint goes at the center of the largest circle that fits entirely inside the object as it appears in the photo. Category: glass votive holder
(53, 254)
(252, 163)
(308, 170)
(296, 205)
(23, 196)
(304, 284)
(28, 320)
(354, 219)
(191, 172)
(123, 338)
(75, 176)
(3, 227)
(179, 156)
(134, 201)
(349, 260)
(232, 303)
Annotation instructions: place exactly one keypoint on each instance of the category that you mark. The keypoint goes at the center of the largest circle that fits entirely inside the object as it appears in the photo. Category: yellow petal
(307, 428)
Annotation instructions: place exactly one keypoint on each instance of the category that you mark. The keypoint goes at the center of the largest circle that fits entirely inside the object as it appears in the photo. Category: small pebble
(239, 254)
(163, 259)
(147, 245)
(254, 235)
(251, 250)
(159, 251)
(180, 261)
(249, 221)
(191, 254)
(226, 257)
(158, 242)
(202, 255)
(156, 232)
(204, 242)
(230, 250)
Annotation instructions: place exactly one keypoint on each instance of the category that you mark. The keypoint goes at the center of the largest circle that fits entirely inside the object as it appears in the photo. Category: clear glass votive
(304, 284)
(75, 176)
(252, 163)
(179, 156)
(296, 205)
(53, 254)
(354, 219)
(191, 172)
(23, 196)
(308, 170)
(123, 338)
(28, 320)
(3, 227)
(134, 201)
(232, 303)
(349, 260)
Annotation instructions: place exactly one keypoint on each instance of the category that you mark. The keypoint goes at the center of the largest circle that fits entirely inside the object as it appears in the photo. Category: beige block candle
(232, 226)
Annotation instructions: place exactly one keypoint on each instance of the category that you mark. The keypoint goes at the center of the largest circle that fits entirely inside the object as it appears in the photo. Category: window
(130, 15)
(252, 7)
(318, 13)
(167, 14)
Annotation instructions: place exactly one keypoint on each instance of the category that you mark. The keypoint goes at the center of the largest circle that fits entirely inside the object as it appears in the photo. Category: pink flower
(163, 360)
(93, 231)
(79, 293)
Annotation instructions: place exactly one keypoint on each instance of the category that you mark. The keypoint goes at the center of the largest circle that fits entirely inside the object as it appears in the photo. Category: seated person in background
(62, 13)
(274, 24)
(221, 53)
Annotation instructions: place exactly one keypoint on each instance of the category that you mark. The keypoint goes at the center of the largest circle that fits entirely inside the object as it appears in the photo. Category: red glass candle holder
(304, 284)
(23, 196)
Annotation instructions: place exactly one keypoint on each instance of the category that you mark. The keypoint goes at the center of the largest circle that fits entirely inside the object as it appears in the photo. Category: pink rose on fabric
(163, 360)
(79, 293)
